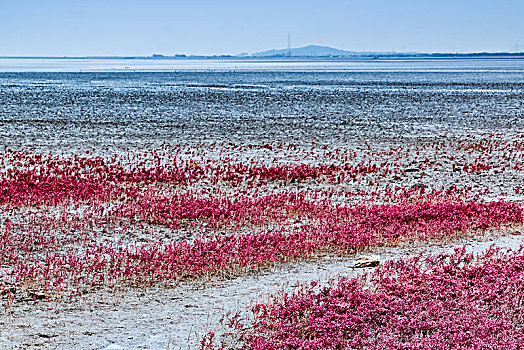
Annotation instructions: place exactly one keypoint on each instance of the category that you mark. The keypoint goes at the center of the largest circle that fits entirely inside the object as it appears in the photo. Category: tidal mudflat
(139, 209)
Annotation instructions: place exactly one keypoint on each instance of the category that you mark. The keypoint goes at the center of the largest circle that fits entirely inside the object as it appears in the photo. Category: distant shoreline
(482, 55)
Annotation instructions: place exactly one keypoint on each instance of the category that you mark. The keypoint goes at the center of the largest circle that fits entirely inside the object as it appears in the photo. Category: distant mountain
(307, 51)
(312, 51)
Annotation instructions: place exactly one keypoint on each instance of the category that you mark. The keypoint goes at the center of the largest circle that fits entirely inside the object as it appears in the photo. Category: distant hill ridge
(312, 51)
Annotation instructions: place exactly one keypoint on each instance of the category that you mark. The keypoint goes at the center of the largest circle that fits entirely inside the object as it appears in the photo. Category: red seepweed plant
(444, 301)
(70, 225)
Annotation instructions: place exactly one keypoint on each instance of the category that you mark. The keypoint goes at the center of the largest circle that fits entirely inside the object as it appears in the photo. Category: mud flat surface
(75, 112)
(104, 113)
(177, 318)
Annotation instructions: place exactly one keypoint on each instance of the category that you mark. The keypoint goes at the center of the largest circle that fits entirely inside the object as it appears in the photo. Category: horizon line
(364, 54)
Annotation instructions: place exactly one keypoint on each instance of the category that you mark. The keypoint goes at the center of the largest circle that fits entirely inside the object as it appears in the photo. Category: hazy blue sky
(130, 27)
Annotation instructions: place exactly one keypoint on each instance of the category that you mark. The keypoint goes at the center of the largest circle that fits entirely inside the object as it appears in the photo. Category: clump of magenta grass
(59, 214)
(443, 301)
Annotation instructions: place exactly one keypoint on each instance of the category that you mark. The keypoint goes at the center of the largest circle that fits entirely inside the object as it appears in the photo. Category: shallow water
(276, 64)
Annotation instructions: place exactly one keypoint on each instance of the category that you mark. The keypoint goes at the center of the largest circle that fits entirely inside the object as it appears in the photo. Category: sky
(207, 27)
